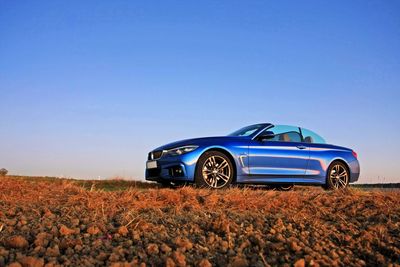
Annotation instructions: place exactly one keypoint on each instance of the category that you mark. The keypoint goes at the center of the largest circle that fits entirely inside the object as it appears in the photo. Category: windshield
(249, 130)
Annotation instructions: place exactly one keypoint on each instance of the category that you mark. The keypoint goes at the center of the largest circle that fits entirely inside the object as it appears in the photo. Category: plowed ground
(64, 223)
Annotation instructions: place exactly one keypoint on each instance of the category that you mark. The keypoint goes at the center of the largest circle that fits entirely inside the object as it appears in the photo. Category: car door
(283, 156)
(320, 154)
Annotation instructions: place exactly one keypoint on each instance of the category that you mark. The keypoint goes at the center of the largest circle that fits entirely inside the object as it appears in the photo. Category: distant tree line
(3, 172)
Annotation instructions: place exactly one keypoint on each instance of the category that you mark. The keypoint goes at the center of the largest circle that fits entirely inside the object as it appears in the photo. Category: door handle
(301, 147)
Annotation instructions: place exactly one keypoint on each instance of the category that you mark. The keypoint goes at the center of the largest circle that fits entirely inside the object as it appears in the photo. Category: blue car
(264, 154)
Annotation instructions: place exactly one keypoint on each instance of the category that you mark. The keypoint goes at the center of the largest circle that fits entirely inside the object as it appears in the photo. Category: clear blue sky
(87, 88)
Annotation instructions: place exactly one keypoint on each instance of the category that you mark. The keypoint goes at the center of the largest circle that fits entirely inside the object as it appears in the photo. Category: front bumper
(174, 168)
(172, 171)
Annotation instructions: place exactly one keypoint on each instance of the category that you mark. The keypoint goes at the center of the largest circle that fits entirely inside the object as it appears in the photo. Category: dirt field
(51, 222)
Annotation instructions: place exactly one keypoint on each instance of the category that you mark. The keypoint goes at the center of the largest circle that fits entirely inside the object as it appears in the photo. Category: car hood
(217, 140)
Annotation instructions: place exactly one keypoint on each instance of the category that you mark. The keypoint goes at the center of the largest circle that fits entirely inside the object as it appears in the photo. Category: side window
(284, 133)
(311, 137)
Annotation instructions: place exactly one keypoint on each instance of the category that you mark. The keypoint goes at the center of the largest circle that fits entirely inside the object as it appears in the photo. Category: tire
(338, 176)
(214, 170)
(281, 187)
(288, 187)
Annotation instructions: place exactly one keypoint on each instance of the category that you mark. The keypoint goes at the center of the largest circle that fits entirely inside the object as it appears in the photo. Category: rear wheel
(337, 176)
(214, 170)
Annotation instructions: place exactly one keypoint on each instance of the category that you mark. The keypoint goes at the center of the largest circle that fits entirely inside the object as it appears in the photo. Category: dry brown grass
(65, 223)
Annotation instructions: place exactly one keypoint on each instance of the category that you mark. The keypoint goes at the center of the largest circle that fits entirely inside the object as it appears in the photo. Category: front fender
(237, 153)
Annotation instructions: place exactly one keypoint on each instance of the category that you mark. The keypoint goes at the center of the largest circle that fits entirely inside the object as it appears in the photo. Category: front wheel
(337, 176)
(214, 170)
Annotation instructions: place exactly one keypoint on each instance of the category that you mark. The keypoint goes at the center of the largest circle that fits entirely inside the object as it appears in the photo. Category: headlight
(180, 150)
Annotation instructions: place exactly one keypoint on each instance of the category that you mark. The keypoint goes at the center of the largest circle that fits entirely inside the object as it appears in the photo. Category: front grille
(155, 155)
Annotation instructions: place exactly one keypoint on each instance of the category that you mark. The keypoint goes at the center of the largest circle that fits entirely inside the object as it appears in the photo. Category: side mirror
(265, 136)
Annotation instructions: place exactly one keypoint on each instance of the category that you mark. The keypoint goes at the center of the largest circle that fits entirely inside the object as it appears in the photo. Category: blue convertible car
(276, 155)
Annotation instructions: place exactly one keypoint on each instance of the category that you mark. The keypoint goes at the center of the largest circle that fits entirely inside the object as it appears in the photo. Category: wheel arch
(226, 153)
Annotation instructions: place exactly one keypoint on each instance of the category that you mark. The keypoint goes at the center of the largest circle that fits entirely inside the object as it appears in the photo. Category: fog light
(176, 171)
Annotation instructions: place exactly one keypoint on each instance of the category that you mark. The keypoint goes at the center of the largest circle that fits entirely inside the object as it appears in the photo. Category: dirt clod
(32, 262)
(152, 249)
(17, 241)
(64, 230)
(123, 231)
(300, 263)
(93, 230)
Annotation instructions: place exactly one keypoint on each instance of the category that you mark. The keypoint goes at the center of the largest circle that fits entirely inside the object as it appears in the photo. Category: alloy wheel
(339, 176)
(216, 171)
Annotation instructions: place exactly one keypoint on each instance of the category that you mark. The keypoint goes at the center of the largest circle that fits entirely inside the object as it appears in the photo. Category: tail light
(354, 154)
